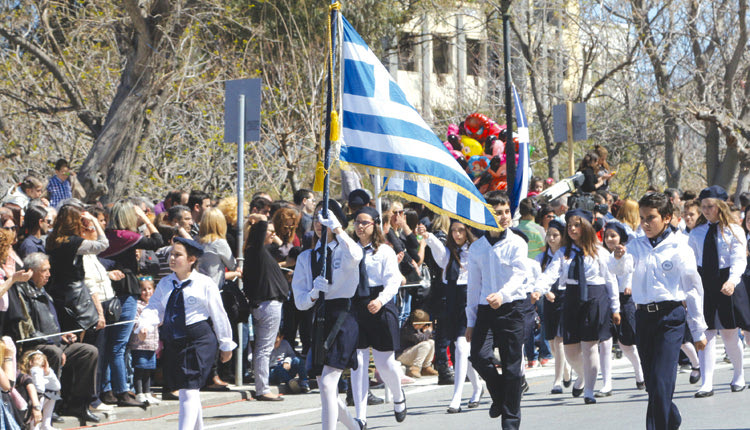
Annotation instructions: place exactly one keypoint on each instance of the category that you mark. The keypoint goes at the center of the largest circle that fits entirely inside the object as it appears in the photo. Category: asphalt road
(427, 404)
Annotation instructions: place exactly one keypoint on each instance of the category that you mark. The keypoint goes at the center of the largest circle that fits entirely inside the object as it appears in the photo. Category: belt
(666, 305)
(374, 292)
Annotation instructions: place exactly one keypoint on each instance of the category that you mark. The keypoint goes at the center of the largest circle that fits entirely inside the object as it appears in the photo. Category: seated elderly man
(78, 361)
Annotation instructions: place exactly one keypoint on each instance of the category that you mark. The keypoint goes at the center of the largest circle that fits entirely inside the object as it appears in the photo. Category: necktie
(577, 271)
(453, 270)
(710, 263)
(174, 314)
(317, 264)
(363, 288)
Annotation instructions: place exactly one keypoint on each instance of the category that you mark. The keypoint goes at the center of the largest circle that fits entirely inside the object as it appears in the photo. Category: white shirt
(623, 280)
(499, 268)
(441, 255)
(382, 270)
(730, 243)
(595, 270)
(345, 258)
(533, 273)
(202, 301)
(666, 272)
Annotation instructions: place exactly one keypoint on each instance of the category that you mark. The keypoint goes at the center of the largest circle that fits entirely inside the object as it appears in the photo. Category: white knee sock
(361, 383)
(708, 361)
(462, 368)
(631, 352)
(191, 412)
(733, 344)
(590, 355)
(573, 356)
(605, 362)
(390, 372)
(48, 406)
(333, 408)
(692, 354)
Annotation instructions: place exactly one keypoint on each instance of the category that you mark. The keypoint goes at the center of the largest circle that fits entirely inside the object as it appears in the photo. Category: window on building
(474, 65)
(407, 52)
(441, 54)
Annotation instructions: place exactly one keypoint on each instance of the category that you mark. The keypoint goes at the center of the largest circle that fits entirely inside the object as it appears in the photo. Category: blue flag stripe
(389, 126)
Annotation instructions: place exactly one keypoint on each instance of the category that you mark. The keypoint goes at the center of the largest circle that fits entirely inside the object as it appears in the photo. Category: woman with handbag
(66, 247)
(124, 240)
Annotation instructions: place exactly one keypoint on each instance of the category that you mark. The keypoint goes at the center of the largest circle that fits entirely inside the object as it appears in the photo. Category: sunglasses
(398, 212)
(11, 228)
(363, 223)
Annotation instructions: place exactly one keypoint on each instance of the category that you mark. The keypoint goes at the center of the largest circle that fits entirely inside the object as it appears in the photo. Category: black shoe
(524, 386)
(400, 416)
(108, 397)
(702, 394)
(640, 385)
(737, 388)
(454, 410)
(167, 395)
(57, 419)
(589, 400)
(495, 410)
(474, 405)
(92, 417)
(362, 426)
(567, 383)
(83, 414)
(577, 392)
(556, 390)
(125, 399)
(372, 399)
(695, 375)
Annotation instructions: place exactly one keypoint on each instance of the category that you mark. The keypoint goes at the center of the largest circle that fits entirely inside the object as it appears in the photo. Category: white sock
(48, 406)
(590, 355)
(390, 372)
(692, 354)
(631, 352)
(733, 345)
(191, 412)
(333, 408)
(708, 361)
(574, 357)
(461, 369)
(361, 383)
(605, 362)
(556, 347)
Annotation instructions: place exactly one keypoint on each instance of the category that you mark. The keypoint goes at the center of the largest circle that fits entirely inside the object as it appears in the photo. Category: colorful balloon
(470, 147)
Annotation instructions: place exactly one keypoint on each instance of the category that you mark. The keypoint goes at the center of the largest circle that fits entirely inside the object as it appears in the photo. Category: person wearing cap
(338, 283)
(376, 314)
(358, 199)
(720, 252)
(495, 299)
(591, 296)
(554, 298)
(266, 288)
(182, 304)
(667, 292)
(614, 235)
(453, 258)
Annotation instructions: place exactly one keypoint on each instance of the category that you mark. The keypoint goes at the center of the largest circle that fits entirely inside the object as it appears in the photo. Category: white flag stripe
(389, 109)
(397, 145)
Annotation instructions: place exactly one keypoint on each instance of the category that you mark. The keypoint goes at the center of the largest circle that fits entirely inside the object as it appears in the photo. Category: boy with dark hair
(304, 199)
(60, 186)
(260, 205)
(198, 202)
(495, 302)
(533, 231)
(665, 275)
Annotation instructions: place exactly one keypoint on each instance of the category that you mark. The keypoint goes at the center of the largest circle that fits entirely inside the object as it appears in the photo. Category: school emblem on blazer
(336, 263)
(191, 300)
(667, 265)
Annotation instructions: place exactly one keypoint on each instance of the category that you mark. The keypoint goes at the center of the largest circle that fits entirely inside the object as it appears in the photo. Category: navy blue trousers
(503, 327)
(659, 336)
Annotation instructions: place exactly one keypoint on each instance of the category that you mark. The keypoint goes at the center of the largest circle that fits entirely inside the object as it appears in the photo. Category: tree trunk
(672, 161)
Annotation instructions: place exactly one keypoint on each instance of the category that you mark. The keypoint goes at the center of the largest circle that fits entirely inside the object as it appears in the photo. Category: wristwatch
(37, 407)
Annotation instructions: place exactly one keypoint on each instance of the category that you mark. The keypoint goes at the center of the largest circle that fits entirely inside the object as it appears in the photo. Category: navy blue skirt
(722, 311)
(188, 361)
(553, 315)
(342, 350)
(587, 321)
(626, 330)
(379, 331)
(455, 317)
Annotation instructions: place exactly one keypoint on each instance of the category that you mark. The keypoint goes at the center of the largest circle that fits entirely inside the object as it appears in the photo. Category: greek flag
(383, 132)
(523, 170)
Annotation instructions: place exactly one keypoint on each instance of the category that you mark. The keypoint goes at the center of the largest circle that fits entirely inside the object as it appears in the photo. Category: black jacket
(41, 311)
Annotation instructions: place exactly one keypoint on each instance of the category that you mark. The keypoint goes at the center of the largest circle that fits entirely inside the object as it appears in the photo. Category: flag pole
(510, 148)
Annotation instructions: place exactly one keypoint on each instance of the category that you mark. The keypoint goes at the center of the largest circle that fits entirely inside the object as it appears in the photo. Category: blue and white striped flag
(523, 169)
(383, 132)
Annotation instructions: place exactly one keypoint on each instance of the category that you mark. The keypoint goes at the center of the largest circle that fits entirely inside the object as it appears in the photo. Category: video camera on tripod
(577, 200)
